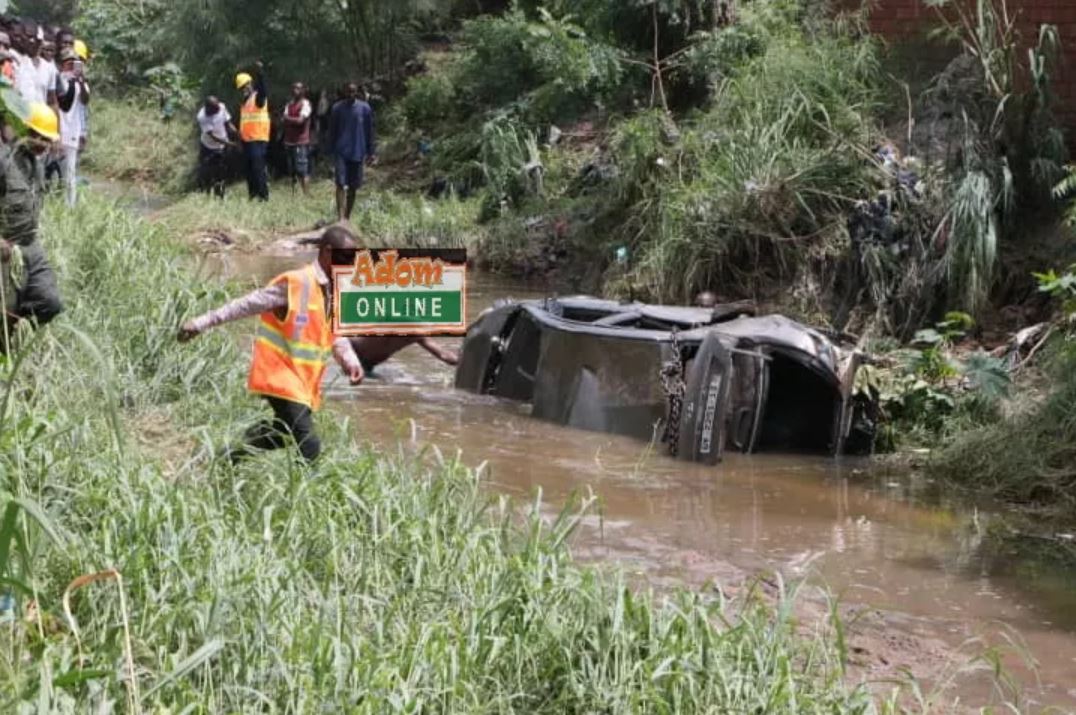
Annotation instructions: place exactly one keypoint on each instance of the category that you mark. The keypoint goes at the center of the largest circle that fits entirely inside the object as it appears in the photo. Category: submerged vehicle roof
(644, 321)
(707, 379)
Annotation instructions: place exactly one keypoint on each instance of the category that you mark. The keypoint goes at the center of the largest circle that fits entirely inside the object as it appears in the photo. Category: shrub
(763, 178)
(430, 99)
(714, 56)
(934, 393)
(544, 68)
(1027, 459)
(1000, 145)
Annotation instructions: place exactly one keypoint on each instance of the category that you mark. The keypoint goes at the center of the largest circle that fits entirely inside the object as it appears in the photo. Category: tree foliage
(58, 12)
(127, 39)
(322, 42)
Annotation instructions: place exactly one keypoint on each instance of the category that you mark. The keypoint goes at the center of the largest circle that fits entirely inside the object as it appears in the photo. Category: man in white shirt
(71, 121)
(36, 78)
(215, 124)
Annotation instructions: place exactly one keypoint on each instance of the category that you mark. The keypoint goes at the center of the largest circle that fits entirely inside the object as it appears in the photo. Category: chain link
(672, 382)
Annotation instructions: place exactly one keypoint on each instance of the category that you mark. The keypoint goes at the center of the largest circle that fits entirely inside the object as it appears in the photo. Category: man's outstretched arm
(344, 354)
(275, 297)
(450, 357)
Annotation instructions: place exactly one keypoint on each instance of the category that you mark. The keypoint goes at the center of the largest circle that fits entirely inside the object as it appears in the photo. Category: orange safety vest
(254, 120)
(290, 355)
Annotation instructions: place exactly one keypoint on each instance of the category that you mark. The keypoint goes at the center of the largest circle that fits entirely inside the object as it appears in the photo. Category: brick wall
(908, 22)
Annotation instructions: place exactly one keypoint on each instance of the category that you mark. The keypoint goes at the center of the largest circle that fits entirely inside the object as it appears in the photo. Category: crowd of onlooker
(48, 65)
(343, 129)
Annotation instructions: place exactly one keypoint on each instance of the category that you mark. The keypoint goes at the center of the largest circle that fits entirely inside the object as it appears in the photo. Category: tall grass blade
(203, 655)
(134, 701)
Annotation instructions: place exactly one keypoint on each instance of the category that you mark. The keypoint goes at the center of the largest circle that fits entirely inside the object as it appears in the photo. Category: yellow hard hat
(242, 80)
(44, 121)
(81, 50)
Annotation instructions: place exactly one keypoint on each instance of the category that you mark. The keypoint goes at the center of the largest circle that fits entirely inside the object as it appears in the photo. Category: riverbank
(373, 582)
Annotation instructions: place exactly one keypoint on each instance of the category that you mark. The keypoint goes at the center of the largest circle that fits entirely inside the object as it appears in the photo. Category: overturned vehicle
(700, 380)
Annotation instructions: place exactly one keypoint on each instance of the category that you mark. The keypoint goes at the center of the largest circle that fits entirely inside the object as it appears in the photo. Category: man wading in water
(291, 349)
(374, 350)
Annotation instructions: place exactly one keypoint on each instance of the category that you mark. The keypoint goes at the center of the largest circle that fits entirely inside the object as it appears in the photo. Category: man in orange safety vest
(292, 347)
(254, 130)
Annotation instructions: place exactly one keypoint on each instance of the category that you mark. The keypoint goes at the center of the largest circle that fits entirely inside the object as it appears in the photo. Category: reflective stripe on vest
(290, 355)
(299, 352)
(254, 120)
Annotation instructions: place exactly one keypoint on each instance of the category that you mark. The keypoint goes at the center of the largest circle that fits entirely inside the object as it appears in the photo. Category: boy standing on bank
(351, 132)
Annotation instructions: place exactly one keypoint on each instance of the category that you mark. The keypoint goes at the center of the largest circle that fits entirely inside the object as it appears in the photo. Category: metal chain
(672, 382)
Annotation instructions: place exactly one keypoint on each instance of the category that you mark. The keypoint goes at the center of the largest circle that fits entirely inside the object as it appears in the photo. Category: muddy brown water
(873, 539)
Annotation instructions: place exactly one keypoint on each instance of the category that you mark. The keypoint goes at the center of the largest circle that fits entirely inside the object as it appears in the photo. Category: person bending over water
(374, 350)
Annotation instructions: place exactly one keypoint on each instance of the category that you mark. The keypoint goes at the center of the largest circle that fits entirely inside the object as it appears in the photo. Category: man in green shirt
(29, 285)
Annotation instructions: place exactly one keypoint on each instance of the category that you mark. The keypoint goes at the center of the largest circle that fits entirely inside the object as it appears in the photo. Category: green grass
(381, 218)
(1029, 459)
(374, 583)
(129, 142)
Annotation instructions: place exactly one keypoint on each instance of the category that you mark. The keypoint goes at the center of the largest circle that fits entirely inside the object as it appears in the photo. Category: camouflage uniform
(37, 296)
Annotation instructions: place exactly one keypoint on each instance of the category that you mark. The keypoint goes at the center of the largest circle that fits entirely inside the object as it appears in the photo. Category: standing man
(7, 64)
(15, 34)
(254, 127)
(48, 50)
(297, 119)
(83, 53)
(66, 38)
(291, 349)
(35, 77)
(22, 259)
(71, 116)
(216, 127)
(54, 162)
(351, 131)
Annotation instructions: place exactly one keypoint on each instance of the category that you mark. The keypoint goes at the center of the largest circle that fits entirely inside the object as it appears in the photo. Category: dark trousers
(39, 297)
(53, 169)
(290, 420)
(38, 300)
(211, 171)
(257, 170)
